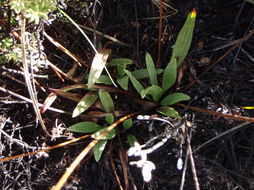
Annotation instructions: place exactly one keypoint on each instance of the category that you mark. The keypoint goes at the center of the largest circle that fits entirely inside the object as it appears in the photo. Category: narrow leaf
(69, 95)
(174, 98)
(169, 75)
(98, 65)
(127, 123)
(137, 85)
(151, 69)
(110, 135)
(143, 73)
(184, 39)
(169, 112)
(104, 79)
(123, 82)
(84, 127)
(106, 101)
(154, 90)
(120, 61)
(85, 103)
(120, 70)
(98, 149)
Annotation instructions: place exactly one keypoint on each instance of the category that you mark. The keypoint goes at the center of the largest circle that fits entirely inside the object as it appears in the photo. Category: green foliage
(184, 39)
(169, 75)
(98, 149)
(84, 127)
(137, 85)
(123, 82)
(151, 69)
(180, 51)
(110, 135)
(143, 73)
(168, 111)
(127, 123)
(155, 92)
(120, 62)
(250, 1)
(174, 98)
(85, 103)
(131, 139)
(33, 10)
(9, 51)
(106, 101)
(110, 118)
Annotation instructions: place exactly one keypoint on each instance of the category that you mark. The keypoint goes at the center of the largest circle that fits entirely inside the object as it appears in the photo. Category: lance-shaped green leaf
(98, 149)
(184, 39)
(106, 101)
(154, 90)
(120, 61)
(143, 73)
(123, 82)
(85, 103)
(168, 111)
(110, 135)
(151, 69)
(104, 79)
(174, 98)
(169, 75)
(97, 66)
(120, 70)
(84, 127)
(69, 95)
(137, 85)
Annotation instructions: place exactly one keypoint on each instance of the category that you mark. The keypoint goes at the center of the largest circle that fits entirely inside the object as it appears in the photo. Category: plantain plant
(155, 92)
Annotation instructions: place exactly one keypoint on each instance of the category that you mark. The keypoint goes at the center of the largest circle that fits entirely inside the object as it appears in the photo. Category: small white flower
(147, 170)
(135, 150)
(179, 164)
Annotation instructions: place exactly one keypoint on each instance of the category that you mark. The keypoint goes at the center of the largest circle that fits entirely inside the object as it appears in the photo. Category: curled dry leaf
(48, 102)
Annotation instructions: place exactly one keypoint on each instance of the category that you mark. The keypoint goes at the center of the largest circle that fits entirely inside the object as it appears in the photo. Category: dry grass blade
(44, 150)
(27, 76)
(114, 168)
(227, 116)
(80, 157)
(193, 168)
(222, 134)
(234, 44)
(30, 101)
(124, 162)
(164, 5)
(58, 45)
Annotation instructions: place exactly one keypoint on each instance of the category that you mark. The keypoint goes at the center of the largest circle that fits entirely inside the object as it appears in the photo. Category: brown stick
(193, 168)
(227, 116)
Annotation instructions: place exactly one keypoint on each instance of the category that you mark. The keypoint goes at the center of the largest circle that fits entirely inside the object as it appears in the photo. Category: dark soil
(224, 164)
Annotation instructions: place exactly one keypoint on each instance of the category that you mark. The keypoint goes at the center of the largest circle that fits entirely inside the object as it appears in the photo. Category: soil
(217, 73)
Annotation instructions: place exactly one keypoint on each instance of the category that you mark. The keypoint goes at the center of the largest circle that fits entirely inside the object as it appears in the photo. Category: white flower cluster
(146, 166)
